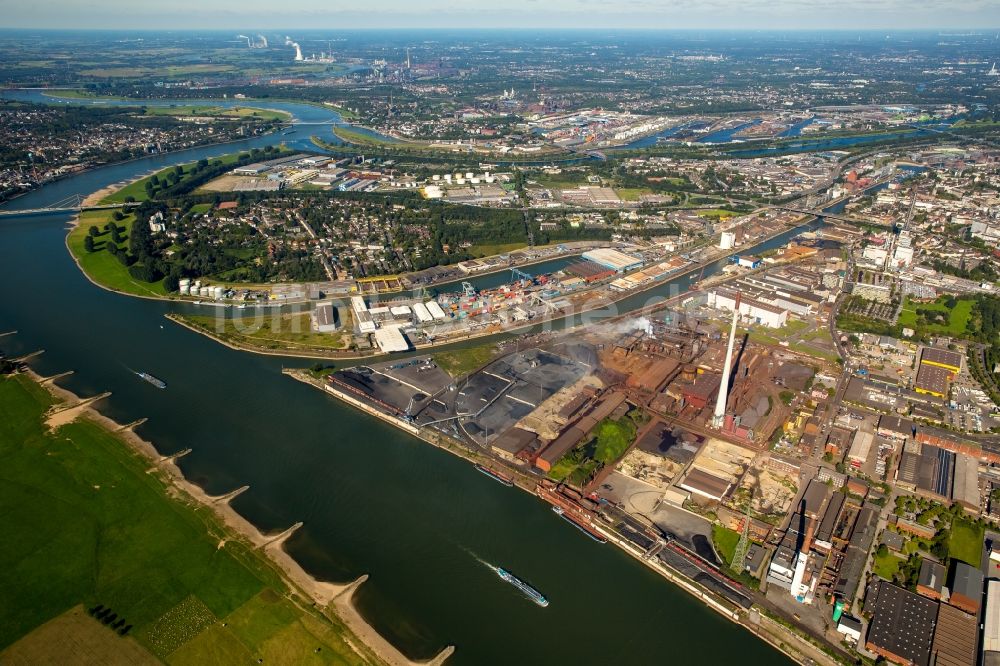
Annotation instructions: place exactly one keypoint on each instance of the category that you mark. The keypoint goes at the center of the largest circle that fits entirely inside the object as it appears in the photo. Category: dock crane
(516, 274)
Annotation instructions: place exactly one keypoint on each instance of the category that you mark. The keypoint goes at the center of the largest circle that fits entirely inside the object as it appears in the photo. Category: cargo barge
(496, 476)
(580, 525)
(158, 383)
(526, 589)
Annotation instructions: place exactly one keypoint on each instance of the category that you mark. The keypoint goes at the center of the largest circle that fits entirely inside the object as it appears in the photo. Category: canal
(372, 499)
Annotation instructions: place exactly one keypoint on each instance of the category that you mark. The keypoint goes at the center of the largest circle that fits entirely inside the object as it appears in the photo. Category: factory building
(956, 638)
(401, 313)
(781, 570)
(991, 625)
(930, 581)
(324, 318)
(932, 380)
(860, 449)
(391, 339)
(617, 261)
(895, 427)
(700, 482)
(699, 393)
(938, 368)
(747, 261)
(574, 434)
(966, 587)
(850, 627)
(754, 311)
(902, 625)
(361, 315)
(422, 314)
(965, 483)
(435, 311)
(942, 358)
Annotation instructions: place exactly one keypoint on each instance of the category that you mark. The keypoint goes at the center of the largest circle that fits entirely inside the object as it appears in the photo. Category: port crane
(516, 274)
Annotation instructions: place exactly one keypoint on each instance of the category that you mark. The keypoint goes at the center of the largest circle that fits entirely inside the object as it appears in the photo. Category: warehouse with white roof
(391, 339)
(613, 259)
(435, 310)
(422, 314)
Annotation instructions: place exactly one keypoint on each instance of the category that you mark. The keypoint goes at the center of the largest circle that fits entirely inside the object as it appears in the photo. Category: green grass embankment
(86, 522)
(136, 190)
(102, 267)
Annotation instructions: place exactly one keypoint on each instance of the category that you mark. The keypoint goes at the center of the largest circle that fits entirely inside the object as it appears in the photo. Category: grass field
(809, 350)
(887, 566)
(137, 189)
(573, 468)
(169, 70)
(100, 265)
(717, 213)
(360, 138)
(488, 250)
(725, 541)
(78, 94)
(463, 361)
(613, 438)
(957, 319)
(218, 112)
(966, 542)
(85, 523)
(772, 336)
(272, 330)
(632, 193)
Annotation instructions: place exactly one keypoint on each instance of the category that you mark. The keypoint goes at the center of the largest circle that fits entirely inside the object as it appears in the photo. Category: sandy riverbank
(95, 198)
(335, 597)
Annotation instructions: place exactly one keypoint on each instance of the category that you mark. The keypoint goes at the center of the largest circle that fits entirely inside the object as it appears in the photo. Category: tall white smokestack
(720, 402)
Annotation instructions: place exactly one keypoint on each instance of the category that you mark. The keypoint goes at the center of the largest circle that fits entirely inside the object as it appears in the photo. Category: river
(373, 499)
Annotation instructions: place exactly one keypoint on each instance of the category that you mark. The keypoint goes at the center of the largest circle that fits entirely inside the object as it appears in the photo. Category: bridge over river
(71, 204)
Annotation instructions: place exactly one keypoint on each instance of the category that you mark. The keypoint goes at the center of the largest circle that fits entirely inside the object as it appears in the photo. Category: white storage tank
(218, 293)
(206, 291)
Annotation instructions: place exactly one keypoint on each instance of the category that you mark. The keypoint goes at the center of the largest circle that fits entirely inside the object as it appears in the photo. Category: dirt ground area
(772, 492)
(222, 183)
(723, 459)
(75, 638)
(652, 469)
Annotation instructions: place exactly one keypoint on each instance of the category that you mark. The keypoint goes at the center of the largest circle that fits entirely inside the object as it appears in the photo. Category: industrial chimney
(720, 402)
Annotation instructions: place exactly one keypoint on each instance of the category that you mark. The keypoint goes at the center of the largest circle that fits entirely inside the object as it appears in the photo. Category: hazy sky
(281, 14)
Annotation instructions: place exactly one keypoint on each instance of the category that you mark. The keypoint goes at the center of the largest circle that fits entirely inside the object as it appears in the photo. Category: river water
(373, 499)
